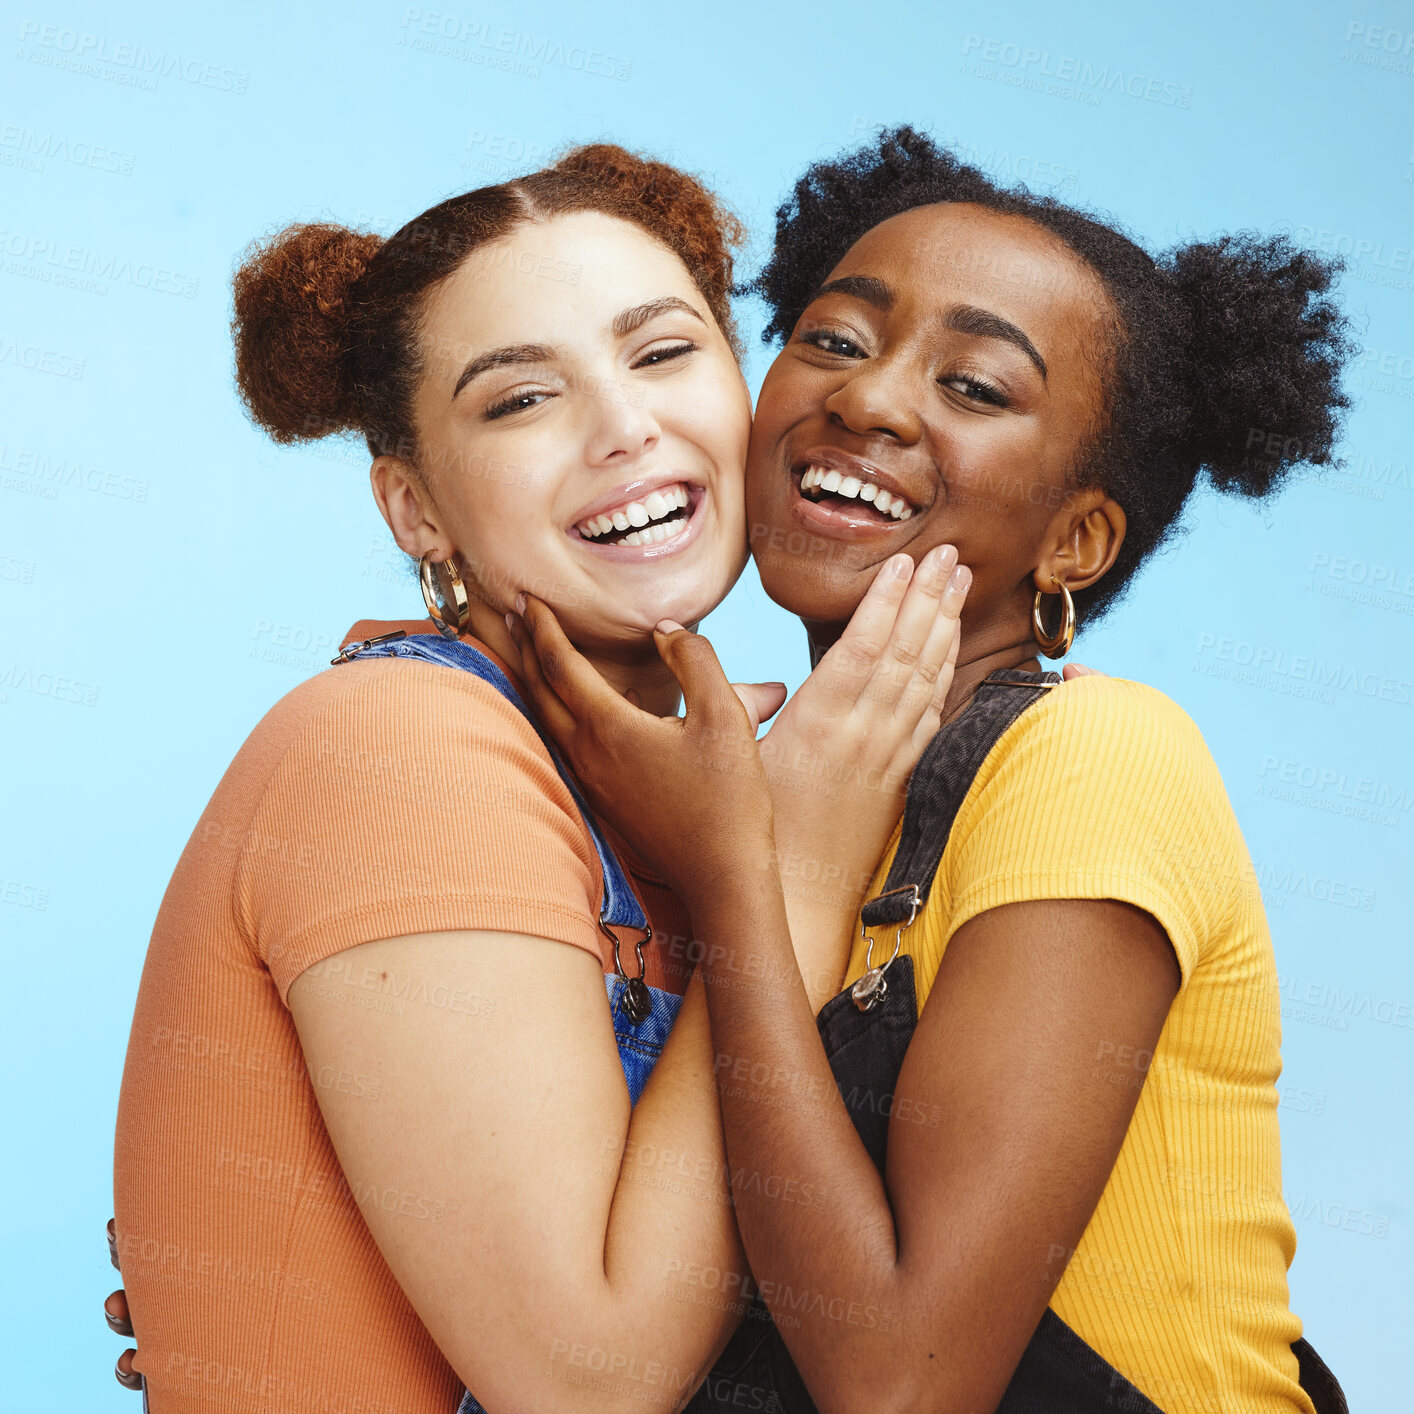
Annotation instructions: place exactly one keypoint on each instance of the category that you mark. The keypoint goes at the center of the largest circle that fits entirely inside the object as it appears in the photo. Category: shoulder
(402, 702)
(1103, 790)
(1105, 770)
(1109, 730)
(420, 731)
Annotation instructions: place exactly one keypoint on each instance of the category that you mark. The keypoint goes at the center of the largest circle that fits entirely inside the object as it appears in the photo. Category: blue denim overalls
(639, 1045)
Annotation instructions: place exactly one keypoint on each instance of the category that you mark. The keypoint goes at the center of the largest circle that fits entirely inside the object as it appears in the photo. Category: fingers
(914, 658)
(556, 717)
(706, 693)
(932, 718)
(124, 1373)
(1071, 671)
(762, 700)
(113, 1243)
(115, 1312)
(843, 670)
(562, 684)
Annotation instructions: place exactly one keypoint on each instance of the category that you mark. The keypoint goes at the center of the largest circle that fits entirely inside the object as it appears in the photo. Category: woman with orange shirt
(394, 1118)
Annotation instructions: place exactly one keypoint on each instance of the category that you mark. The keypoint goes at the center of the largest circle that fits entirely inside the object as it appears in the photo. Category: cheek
(716, 416)
(498, 516)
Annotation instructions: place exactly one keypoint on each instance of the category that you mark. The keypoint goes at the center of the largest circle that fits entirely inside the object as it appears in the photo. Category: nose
(622, 424)
(877, 398)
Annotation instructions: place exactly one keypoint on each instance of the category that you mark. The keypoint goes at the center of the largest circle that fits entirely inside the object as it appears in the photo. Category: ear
(1083, 541)
(412, 516)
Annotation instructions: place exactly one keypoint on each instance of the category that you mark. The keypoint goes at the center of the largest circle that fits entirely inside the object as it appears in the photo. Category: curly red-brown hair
(326, 318)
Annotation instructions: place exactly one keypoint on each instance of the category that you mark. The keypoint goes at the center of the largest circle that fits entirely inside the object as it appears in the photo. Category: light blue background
(185, 573)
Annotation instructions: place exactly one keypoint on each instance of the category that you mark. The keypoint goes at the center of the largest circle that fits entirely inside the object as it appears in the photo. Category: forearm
(784, 1118)
(671, 1218)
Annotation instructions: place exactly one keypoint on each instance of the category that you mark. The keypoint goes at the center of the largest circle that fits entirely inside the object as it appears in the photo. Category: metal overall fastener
(871, 988)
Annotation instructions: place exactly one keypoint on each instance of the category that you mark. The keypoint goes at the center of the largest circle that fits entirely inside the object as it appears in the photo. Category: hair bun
(291, 329)
(1262, 357)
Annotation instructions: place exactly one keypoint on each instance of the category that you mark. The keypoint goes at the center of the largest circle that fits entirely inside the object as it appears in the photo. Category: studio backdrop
(166, 573)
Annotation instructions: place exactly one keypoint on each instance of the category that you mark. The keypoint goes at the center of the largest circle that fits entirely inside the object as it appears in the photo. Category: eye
(516, 401)
(831, 341)
(655, 357)
(976, 389)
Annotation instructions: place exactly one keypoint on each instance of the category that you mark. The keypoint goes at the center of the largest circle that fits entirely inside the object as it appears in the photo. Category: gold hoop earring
(1055, 645)
(437, 599)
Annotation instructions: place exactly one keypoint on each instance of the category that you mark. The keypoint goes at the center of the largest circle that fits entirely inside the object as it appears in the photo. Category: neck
(631, 668)
(984, 649)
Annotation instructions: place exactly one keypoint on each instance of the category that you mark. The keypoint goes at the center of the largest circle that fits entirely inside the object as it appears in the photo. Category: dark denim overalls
(639, 1045)
(1058, 1372)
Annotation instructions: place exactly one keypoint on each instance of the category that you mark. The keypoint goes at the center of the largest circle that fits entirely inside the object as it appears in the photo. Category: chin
(810, 588)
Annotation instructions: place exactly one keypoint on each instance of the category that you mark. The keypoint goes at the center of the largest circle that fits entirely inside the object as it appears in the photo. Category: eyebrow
(499, 358)
(625, 322)
(628, 320)
(983, 324)
(866, 287)
(964, 318)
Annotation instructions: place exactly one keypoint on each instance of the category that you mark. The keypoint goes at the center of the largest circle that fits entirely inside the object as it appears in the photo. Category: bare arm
(957, 1257)
(534, 1220)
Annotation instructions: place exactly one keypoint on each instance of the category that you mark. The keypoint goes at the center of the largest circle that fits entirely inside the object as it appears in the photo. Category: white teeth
(636, 516)
(827, 479)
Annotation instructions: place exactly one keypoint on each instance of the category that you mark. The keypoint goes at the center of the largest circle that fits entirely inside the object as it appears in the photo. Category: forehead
(933, 257)
(558, 281)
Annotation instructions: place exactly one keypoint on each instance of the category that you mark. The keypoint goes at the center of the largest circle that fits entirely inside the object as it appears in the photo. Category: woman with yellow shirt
(1039, 1126)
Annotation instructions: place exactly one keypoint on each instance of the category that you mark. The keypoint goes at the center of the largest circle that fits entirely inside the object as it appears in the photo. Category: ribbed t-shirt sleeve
(1105, 790)
(417, 800)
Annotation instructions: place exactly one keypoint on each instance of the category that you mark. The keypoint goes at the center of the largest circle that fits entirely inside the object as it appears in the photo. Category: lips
(650, 519)
(643, 519)
(847, 496)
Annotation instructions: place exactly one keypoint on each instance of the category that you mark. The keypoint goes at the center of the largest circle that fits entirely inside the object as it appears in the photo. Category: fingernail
(511, 622)
(961, 579)
(902, 566)
(943, 558)
(668, 626)
(520, 603)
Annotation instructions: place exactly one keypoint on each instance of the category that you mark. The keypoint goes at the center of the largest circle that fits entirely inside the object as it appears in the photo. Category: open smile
(839, 494)
(642, 521)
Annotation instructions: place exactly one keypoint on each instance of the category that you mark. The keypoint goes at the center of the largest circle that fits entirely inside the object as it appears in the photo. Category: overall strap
(940, 780)
(620, 908)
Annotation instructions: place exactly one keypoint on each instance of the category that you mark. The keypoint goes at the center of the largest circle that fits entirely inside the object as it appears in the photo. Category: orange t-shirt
(379, 799)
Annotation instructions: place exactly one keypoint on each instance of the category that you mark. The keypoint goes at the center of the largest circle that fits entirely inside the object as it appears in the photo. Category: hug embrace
(525, 1029)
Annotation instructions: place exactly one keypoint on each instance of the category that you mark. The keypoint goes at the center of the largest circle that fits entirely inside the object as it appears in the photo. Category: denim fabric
(641, 1045)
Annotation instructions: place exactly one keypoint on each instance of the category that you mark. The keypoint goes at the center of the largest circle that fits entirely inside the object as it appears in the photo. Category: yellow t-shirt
(1105, 790)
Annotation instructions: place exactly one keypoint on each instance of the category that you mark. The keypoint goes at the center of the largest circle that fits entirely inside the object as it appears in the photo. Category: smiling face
(938, 389)
(582, 427)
